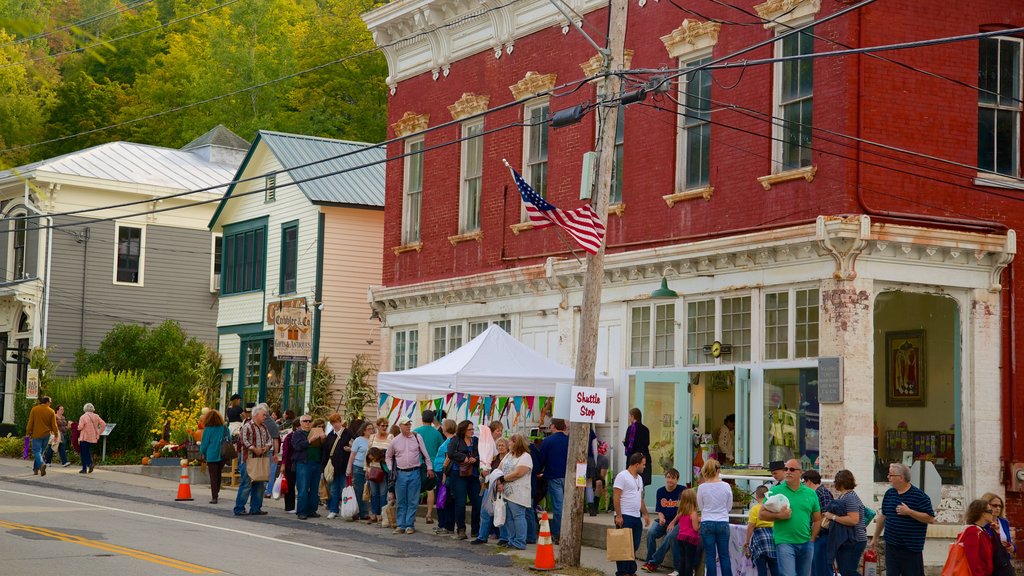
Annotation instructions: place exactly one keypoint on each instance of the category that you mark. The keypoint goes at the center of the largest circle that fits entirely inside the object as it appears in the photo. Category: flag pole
(561, 233)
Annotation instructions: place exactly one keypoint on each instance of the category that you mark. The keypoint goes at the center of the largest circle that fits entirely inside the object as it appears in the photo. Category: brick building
(757, 193)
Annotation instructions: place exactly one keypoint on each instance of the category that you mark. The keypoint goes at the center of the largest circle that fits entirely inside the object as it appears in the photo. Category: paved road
(110, 523)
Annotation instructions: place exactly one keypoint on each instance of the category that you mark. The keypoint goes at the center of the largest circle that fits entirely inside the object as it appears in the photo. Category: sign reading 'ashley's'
(293, 334)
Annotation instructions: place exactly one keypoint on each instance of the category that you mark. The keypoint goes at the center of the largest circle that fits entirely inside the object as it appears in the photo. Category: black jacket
(340, 457)
(458, 451)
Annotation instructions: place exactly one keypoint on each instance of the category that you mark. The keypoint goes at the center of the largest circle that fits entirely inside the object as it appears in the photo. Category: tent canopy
(492, 364)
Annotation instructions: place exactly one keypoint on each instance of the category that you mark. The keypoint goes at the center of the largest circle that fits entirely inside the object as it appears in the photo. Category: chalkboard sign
(830, 380)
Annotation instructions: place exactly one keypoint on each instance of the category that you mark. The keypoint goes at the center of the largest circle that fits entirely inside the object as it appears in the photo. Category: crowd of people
(49, 431)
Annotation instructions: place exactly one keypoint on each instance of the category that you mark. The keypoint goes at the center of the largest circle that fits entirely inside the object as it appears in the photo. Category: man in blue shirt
(905, 515)
(666, 506)
(553, 453)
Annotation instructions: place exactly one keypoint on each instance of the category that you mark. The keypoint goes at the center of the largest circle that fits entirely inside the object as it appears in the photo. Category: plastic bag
(499, 511)
(776, 503)
(349, 505)
(442, 496)
(276, 491)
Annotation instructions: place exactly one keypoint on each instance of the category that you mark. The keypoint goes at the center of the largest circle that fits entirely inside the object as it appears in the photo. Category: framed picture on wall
(905, 368)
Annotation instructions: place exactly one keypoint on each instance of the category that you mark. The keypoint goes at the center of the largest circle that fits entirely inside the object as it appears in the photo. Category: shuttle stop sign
(588, 404)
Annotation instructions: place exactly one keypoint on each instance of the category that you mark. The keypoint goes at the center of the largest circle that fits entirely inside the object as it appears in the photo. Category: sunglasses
(304, 421)
(988, 511)
(792, 469)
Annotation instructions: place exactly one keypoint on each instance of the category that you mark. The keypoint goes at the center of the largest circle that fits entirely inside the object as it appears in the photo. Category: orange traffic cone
(545, 559)
(184, 488)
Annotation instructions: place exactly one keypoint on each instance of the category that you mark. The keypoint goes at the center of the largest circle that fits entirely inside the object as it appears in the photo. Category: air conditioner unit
(215, 286)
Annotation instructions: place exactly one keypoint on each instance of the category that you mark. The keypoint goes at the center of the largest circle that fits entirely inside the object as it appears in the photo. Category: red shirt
(978, 547)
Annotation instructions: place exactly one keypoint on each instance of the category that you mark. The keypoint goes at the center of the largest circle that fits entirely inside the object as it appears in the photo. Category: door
(664, 398)
(741, 438)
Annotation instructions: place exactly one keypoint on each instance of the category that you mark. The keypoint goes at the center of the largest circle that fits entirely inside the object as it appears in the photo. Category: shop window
(776, 326)
(917, 384)
(407, 345)
(792, 420)
(447, 339)
(295, 389)
(477, 327)
(791, 324)
(700, 330)
(253, 367)
(661, 332)
(736, 327)
(807, 306)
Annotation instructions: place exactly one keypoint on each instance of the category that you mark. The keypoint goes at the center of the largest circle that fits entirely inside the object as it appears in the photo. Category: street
(116, 523)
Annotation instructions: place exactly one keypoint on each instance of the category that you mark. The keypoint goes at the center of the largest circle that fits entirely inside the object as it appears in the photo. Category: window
(640, 336)
(18, 242)
(446, 340)
(792, 416)
(270, 188)
(615, 196)
(696, 138)
(999, 105)
(128, 269)
(244, 260)
(289, 257)
(217, 257)
(407, 344)
(253, 369)
(807, 323)
(776, 326)
(477, 327)
(535, 153)
(295, 387)
(472, 176)
(662, 332)
(412, 201)
(700, 329)
(795, 96)
(736, 327)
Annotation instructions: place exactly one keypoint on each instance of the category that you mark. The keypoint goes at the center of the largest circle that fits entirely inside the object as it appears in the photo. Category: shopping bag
(620, 545)
(442, 496)
(956, 560)
(258, 468)
(349, 506)
(325, 490)
(499, 511)
(366, 492)
(284, 484)
(276, 490)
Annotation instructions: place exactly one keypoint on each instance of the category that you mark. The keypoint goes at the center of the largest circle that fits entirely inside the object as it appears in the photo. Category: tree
(166, 357)
(21, 107)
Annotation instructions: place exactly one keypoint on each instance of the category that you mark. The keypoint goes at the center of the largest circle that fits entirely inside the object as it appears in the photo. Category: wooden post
(586, 355)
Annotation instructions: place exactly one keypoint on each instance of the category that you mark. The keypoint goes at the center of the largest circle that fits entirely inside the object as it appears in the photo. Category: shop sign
(273, 307)
(588, 404)
(32, 384)
(830, 380)
(293, 334)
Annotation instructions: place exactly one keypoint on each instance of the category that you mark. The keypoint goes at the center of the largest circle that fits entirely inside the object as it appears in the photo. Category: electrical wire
(83, 22)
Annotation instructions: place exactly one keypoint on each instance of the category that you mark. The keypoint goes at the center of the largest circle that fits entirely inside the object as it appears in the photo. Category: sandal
(430, 520)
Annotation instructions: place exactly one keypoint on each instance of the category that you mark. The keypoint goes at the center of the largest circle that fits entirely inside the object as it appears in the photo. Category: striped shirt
(254, 435)
(903, 531)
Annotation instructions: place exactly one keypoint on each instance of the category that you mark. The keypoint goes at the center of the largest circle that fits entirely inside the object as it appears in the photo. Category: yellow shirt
(757, 522)
(42, 421)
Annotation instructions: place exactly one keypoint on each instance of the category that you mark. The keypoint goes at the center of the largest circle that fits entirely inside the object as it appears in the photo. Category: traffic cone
(184, 488)
(545, 559)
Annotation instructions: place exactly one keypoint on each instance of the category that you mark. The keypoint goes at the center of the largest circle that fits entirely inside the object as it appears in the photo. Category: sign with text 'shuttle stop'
(293, 334)
(588, 404)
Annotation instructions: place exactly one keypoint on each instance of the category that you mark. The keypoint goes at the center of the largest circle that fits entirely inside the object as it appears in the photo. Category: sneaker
(42, 470)
(410, 530)
(259, 513)
(459, 536)
(302, 517)
(332, 515)
(314, 515)
(398, 531)
(649, 567)
(674, 573)
(442, 532)
(477, 542)
(66, 464)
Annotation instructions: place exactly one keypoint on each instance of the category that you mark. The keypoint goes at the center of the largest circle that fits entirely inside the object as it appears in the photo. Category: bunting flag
(488, 406)
(473, 400)
(437, 405)
(518, 403)
(380, 401)
(424, 404)
(529, 404)
(502, 404)
(412, 408)
(394, 404)
(460, 400)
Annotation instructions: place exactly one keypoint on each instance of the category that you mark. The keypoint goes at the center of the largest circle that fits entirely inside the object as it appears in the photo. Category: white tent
(492, 364)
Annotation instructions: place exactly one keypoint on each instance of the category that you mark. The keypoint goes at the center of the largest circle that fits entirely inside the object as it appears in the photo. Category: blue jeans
(248, 490)
(307, 487)
(273, 476)
(531, 525)
(556, 491)
(848, 558)
(468, 487)
(822, 564)
(359, 484)
(795, 559)
(765, 565)
(407, 498)
(62, 450)
(335, 488)
(715, 536)
(85, 452)
(378, 496)
(487, 521)
(634, 523)
(656, 554)
(38, 447)
(515, 525)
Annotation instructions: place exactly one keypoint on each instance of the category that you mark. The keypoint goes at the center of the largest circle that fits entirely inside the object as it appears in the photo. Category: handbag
(465, 469)
(956, 560)
(276, 490)
(258, 468)
(620, 545)
(227, 447)
(442, 496)
(375, 474)
(498, 519)
(366, 492)
(329, 468)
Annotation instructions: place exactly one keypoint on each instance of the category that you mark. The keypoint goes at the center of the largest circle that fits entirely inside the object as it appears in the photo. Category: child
(688, 539)
(759, 546)
(667, 502)
(378, 488)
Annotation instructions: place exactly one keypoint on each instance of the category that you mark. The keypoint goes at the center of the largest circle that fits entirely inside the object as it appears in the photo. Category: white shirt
(632, 493)
(518, 490)
(714, 499)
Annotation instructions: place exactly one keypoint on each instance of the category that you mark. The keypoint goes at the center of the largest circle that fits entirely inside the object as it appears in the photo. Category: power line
(83, 22)
(106, 43)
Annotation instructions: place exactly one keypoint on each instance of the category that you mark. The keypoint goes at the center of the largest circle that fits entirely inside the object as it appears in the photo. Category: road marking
(189, 522)
(108, 547)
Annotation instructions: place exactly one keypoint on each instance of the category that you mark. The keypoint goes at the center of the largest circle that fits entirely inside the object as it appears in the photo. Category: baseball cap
(236, 397)
(404, 420)
(776, 465)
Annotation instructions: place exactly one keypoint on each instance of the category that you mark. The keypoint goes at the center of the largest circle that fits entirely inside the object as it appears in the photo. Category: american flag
(583, 224)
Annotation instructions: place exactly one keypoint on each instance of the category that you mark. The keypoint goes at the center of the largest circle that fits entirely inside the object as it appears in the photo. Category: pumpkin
(145, 460)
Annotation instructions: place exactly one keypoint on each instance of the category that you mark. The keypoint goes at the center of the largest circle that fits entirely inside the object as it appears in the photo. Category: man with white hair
(256, 443)
(406, 453)
(905, 515)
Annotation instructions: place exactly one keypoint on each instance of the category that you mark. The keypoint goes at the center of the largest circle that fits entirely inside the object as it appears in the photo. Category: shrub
(122, 399)
(12, 446)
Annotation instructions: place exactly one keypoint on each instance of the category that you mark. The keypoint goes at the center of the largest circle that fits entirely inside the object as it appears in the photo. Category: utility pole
(586, 355)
